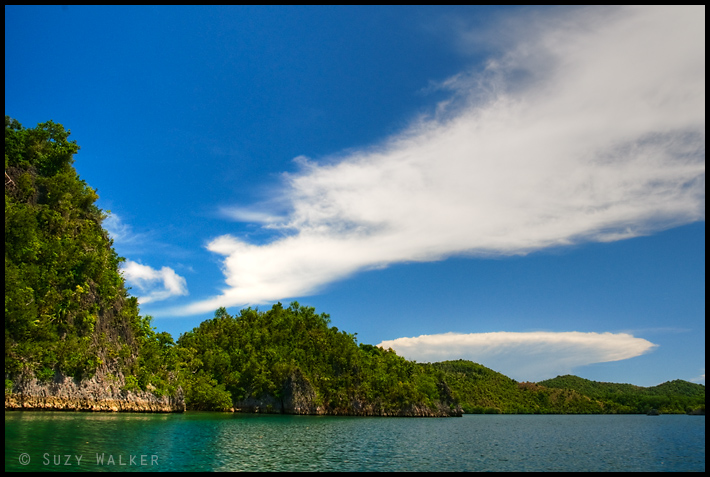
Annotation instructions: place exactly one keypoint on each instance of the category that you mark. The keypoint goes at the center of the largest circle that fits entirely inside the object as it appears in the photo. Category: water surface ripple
(194, 441)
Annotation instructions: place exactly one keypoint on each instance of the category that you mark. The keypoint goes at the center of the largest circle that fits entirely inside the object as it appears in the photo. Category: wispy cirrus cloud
(118, 230)
(242, 214)
(153, 285)
(528, 356)
(699, 379)
(126, 240)
(588, 127)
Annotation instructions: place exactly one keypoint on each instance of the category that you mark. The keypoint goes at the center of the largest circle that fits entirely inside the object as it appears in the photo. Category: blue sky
(523, 187)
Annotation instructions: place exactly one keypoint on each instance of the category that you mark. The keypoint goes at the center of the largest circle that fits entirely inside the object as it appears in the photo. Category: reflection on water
(217, 441)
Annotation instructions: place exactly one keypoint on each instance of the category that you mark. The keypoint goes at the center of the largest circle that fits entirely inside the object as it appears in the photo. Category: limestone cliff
(102, 392)
(67, 309)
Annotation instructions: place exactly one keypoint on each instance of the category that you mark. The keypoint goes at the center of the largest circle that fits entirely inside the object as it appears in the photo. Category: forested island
(75, 338)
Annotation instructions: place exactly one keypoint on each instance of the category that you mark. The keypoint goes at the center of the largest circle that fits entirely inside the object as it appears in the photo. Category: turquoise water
(61, 441)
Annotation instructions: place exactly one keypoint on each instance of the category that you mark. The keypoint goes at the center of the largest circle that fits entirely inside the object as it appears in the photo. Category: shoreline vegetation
(75, 339)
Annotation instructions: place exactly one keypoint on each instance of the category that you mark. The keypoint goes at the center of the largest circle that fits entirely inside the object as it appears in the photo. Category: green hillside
(251, 357)
(670, 397)
(482, 390)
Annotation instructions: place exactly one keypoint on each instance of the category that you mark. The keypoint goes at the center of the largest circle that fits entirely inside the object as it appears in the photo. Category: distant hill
(676, 396)
(482, 390)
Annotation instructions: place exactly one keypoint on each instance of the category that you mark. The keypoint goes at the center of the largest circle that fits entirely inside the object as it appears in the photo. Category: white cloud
(699, 379)
(242, 214)
(590, 127)
(154, 285)
(530, 356)
(126, 240)
(119, 231)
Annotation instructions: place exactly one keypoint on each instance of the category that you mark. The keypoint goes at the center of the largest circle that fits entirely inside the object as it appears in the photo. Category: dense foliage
(670, 397)
(66, 307)
(252, 355)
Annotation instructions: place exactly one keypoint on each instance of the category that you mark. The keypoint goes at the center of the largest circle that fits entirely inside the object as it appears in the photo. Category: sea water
(202, 441)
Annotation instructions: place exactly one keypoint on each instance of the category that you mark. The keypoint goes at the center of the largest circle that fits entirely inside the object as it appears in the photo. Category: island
(75, 338)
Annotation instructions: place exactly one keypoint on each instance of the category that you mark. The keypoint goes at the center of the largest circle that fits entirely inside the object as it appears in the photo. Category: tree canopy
(66, 307)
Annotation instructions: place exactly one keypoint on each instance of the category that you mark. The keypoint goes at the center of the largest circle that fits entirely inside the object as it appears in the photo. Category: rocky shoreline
(103, 393)
(271, 405)
(100, 393)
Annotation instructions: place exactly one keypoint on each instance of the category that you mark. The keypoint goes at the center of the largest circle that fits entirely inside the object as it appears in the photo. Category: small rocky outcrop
(102, 392)
(297, 397)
